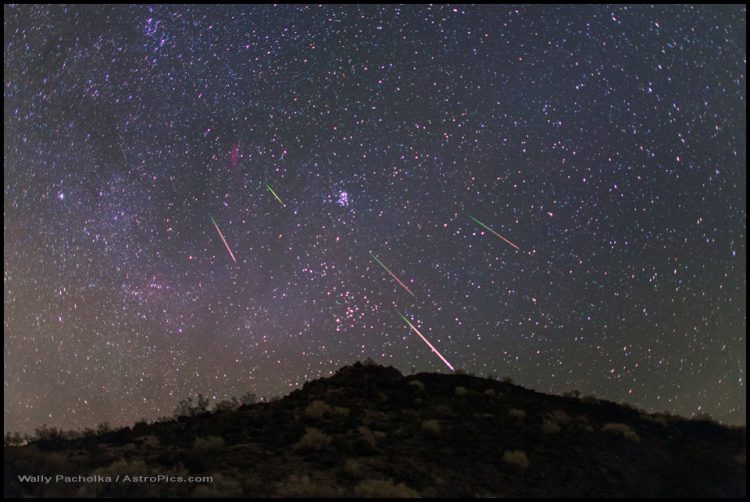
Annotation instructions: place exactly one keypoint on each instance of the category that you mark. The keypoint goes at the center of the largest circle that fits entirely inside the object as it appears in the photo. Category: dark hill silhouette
(370, 431)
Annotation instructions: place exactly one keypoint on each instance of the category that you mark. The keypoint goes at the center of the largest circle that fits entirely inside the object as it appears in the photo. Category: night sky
(604, 146)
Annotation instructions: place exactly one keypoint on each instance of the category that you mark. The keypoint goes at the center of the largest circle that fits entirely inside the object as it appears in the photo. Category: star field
(607, 142)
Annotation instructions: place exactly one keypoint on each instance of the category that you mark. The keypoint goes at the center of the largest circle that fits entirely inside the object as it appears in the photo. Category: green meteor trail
(393, 275)
(274, 194)
(488, 228)
(425, 340)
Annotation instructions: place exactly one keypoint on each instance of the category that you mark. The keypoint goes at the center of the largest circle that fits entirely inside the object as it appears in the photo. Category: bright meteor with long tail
(393, 275)
(223, 240)
(425, 340)
(488, 228)
(274, 194)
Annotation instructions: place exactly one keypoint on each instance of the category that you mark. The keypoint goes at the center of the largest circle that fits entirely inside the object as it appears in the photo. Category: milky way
(607, 143)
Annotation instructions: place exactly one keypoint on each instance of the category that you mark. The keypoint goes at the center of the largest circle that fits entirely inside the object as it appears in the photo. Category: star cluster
(607, 142)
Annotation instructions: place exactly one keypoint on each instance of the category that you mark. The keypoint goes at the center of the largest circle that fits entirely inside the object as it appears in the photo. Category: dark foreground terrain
(369, 431)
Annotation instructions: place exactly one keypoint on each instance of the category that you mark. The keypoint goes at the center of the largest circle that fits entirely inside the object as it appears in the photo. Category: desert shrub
(227, 405)
(368, 436)
(88, 432)
(370, 362)
(417, 385)
(508, 380)
(184, 408)
(221, 486)
(313, 439)
(339, 411)
(71, 434)
(571, 393)
(208, 443)
(656, 419)
(460, 391)
(201, 404)
(13, 439)
(632, 407)
(432, 427)
(188, 408)
(134, 468)
(318, 409)
(31, 460)
(301, 486)
(704, 417)
(589, 399)
(48, 434)
(103, 428)
(516, 458)
(622, 429)
(150, 440)
(559, 416)
(490, 392)
(516, 413)
(550, 426)
(249, 398)
(383, 488)
(443, 410)
(140, 426)
(667, 416)
(353, 468)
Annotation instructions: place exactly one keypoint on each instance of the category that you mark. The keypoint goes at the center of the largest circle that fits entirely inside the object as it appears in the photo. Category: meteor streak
(488, 228)
(425, 340)
(393, 275)
(274, 194)
(223, 240)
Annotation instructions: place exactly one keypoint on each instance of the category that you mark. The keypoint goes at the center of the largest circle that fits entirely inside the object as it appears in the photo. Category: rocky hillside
(370, 431)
